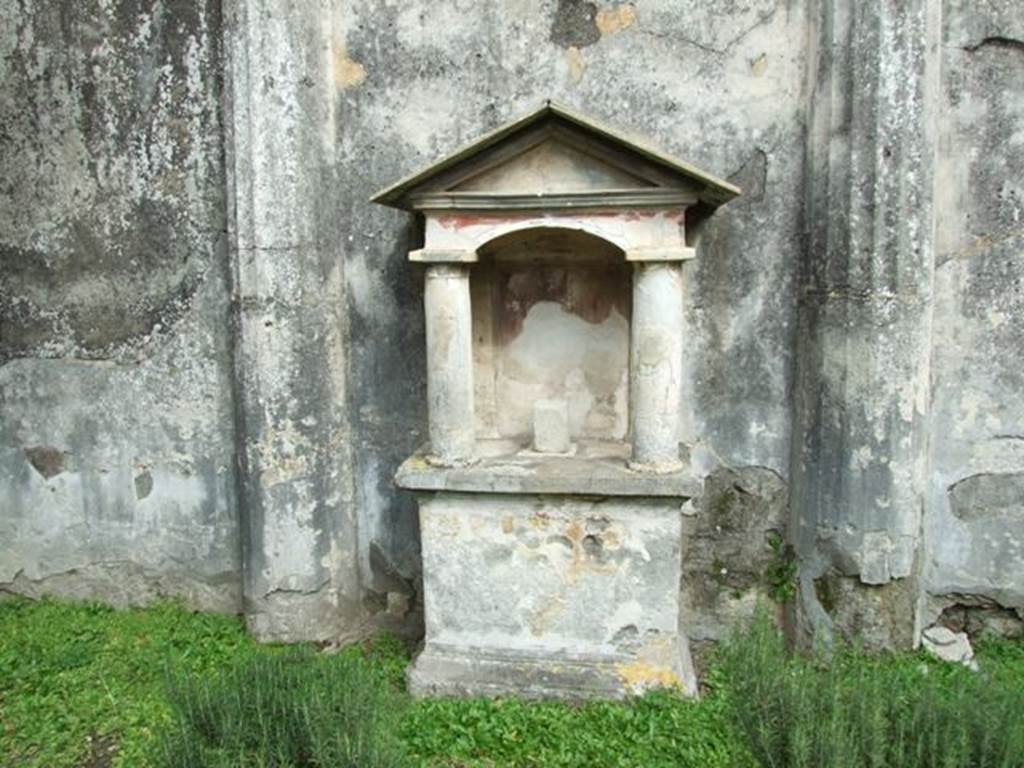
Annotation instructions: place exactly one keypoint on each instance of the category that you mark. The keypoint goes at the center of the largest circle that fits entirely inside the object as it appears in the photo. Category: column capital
(437, 270)
(443, 256)
(661, 253)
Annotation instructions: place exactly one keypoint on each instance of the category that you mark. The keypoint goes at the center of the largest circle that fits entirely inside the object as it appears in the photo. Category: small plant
(780, 575)
(858, 711)
(294, 709)
(659, 730)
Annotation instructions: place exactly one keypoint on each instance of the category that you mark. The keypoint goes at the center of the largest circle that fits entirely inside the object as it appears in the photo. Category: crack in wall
(316, 589)
(761, 21)
(998, 42)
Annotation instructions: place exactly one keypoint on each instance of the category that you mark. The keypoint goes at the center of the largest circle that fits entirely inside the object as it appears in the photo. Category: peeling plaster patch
(576, 63)
(988, 495)
(612, 20)
(47, 461)
(347, 72)
(143, 484)
(575, 24)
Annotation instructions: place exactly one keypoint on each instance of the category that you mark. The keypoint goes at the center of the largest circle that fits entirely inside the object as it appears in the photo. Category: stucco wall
(117, 459)
(721, 89)
(975, 521)
(211, 343)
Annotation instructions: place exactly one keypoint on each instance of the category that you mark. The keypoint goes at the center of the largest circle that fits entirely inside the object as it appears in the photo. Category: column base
(442, 463)
(655, 468)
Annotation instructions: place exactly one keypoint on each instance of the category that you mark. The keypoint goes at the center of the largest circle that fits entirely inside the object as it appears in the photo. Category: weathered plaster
(975, 528)
(594, 609)
(144, 356)
(863, 367)
(117, 466)
(287, 73)
(112, 204)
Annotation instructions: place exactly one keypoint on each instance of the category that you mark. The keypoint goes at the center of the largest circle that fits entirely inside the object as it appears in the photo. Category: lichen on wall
(113, 202)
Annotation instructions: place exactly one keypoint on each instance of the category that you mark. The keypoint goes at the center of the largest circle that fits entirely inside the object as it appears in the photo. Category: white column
(449, 363)
(654, 369)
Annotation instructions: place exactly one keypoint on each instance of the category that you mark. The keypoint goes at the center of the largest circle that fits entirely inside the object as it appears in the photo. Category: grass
(657, 730)
(84, 685)
(77, 678)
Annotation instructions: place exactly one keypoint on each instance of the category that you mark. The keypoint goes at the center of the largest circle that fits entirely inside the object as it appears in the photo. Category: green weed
(780, 575)
(72, 674)
(860, 711)
(297, 709)
(657, 730)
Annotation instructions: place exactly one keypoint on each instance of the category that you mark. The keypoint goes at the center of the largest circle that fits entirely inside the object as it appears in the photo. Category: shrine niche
(550, 489)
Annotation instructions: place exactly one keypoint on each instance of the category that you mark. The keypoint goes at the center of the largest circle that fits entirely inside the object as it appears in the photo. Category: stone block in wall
(877, 616)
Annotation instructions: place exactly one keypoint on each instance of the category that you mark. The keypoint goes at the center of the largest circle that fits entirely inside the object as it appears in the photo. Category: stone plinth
(551, 426)
(544, 590)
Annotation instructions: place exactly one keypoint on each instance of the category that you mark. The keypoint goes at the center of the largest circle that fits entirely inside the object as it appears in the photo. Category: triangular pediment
(555, 157)
(552, 166)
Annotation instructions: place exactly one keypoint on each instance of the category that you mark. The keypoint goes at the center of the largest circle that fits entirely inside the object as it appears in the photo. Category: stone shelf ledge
(597, 468)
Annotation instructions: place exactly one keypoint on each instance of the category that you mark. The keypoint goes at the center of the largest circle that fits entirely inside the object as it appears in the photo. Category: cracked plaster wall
(905, 485)
(862, 353)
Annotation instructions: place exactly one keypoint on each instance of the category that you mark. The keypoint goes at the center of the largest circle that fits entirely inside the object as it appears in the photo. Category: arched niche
(551, 308)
